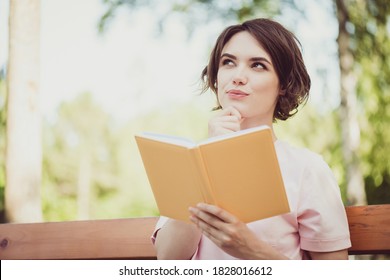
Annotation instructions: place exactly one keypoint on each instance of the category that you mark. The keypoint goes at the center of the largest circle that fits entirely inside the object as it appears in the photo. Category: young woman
(257, 72)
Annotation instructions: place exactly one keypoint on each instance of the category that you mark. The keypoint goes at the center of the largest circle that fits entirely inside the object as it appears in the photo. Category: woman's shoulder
(289, 151)
(307, 165)
(300, 157)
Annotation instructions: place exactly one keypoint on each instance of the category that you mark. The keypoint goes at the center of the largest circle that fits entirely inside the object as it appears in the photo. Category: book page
(233, 134)
(171, 139)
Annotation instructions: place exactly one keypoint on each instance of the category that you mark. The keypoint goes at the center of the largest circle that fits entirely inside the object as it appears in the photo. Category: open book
(239, 172)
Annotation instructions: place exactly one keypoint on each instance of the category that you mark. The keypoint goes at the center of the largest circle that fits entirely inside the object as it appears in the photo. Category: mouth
(236, 94)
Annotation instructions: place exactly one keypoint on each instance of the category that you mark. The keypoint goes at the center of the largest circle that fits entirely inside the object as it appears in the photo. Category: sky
(129, 69)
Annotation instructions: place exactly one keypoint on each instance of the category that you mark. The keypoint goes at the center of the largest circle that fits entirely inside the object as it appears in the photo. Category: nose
(239, 76)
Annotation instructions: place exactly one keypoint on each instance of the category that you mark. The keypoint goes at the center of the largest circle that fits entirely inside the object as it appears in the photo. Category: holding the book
(258, 75)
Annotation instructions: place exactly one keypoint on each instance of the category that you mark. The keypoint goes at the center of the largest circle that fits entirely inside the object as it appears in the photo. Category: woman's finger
(213, 215)
(206, 223)
(231, 111)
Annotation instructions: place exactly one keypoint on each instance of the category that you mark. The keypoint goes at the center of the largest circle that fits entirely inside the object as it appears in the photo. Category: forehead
(243, 44)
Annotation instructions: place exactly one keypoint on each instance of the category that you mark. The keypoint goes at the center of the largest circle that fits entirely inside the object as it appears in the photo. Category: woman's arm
(336, 255)
(177, 240)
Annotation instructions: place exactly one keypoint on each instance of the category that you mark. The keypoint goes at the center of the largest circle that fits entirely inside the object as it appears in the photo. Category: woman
(258, 74)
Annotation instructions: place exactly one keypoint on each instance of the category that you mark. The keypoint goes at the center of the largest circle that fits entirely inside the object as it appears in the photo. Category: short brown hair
(284, 50)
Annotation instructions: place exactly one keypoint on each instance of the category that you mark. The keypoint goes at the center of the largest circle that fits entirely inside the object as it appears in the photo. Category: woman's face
(247, 80)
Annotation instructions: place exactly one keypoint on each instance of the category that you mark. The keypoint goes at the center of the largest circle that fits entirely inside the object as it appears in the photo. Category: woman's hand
(228, 120)
(230, 234)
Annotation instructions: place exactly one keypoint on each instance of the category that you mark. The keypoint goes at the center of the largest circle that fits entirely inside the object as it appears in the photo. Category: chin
(239, 107)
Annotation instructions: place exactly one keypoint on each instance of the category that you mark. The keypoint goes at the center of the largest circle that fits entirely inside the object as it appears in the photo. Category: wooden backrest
(130, 238)
(100, 239)
(370, 229)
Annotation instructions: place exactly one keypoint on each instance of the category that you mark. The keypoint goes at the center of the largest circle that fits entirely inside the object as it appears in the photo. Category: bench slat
(99, 239)
(370, 229)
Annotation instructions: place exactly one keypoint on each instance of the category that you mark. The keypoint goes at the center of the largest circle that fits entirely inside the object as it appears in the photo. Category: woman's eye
(227, 62)
(258, 65)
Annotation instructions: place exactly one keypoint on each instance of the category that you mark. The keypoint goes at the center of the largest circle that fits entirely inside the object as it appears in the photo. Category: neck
(249, 123)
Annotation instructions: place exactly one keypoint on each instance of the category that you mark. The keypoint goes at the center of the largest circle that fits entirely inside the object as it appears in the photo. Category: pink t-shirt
(317, 221)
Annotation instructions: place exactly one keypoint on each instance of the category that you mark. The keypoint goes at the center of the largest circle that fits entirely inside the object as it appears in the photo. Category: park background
(105, 70)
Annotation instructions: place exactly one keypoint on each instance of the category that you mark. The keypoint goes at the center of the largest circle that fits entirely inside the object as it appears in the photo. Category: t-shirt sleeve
(161, 221)
(322, 220)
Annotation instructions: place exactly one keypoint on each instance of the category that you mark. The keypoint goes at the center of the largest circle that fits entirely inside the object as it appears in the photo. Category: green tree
(350, 125)
(117, 185)
(77, 158)
(369, 29)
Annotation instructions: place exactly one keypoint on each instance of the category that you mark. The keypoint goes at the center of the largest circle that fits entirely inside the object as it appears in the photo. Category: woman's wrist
(264, 251)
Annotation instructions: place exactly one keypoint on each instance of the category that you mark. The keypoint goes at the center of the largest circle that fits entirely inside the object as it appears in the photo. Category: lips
(234, 93)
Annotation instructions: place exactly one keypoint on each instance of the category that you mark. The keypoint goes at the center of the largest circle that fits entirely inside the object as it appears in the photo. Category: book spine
(206, 189)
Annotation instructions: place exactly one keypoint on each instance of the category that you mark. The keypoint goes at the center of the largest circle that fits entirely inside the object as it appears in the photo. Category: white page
(175, 140)
(233, 134)
(185, 142)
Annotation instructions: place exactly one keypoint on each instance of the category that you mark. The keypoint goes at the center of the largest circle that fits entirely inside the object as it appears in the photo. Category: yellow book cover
(239, 172)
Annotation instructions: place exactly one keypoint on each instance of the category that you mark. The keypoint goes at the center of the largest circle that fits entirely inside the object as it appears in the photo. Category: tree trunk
(348, 111)
(23, 147)
(84, 185)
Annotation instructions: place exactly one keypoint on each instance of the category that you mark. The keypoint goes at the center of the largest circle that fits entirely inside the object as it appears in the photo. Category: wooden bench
(130, 238)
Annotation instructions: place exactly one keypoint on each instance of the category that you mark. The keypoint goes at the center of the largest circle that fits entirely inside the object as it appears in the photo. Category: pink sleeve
(323, 224)
(161, 221)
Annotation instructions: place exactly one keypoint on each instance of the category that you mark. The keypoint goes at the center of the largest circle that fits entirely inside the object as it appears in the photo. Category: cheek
(223, 77)
(267, 87)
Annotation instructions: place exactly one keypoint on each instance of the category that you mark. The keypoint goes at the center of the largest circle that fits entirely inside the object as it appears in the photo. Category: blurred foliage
(119, 186)
(370, 32)
(369, 28)
(195, 12)
(81, 128)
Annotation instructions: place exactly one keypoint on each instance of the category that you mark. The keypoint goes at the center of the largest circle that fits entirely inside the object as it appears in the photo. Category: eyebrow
(260, 58)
